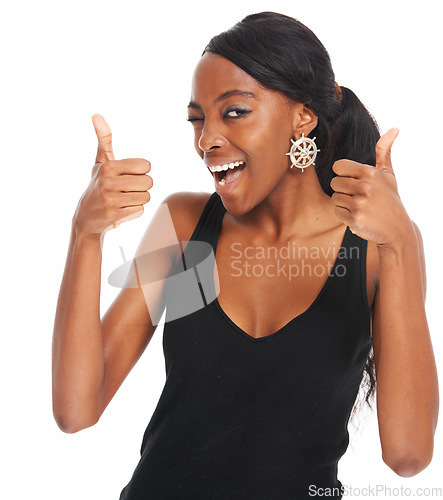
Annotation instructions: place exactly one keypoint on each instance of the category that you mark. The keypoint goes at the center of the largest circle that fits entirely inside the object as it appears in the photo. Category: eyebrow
(225, 95)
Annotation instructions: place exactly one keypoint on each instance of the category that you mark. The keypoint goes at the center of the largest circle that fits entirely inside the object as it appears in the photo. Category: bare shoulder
(186, 208)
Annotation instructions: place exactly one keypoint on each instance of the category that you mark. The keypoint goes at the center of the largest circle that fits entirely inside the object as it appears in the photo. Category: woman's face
(235, 119)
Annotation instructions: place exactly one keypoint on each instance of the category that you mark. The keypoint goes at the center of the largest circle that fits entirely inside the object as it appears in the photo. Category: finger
(350, 168)
(343, 214)
(345, 185)
(383, 150)
(134, 183)
(133, 199)
(104, 136)
(342, 200)
(130, 166)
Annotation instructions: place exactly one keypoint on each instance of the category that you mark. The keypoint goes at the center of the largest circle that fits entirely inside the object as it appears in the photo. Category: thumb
(104, 136)
(383, 150)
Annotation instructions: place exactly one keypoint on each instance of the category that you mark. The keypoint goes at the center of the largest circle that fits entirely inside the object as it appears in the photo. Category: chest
(263, 287)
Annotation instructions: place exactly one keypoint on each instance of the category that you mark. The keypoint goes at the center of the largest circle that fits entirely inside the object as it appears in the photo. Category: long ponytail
(351, 134)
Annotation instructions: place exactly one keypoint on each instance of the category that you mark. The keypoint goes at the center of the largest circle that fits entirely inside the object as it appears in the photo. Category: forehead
(215, 75)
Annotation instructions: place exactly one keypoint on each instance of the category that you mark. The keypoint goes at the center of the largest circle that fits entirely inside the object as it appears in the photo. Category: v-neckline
(296, 318)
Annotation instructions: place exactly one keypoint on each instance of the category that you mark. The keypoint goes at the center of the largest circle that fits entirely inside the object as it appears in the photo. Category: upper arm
(130, 322)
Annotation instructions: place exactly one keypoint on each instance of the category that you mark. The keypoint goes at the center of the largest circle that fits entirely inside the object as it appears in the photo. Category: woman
(316, 262)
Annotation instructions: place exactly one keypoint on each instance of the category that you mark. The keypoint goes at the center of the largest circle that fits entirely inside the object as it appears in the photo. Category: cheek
(272, 143)
(270, 134)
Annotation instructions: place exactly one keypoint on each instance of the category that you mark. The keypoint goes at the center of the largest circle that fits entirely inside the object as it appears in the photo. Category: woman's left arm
(367, 200)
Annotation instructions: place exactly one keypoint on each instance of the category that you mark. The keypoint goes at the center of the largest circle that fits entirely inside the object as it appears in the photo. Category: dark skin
(271, 206)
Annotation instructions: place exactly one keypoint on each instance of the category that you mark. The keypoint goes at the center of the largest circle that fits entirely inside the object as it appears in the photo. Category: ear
(304, 120)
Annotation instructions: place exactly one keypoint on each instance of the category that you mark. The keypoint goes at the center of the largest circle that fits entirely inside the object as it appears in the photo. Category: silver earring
(303, 152)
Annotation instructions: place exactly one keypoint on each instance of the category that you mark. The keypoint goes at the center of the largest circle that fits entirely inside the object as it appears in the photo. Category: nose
(211, 138)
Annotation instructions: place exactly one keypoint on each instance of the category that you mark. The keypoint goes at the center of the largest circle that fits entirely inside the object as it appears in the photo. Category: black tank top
(257, 418)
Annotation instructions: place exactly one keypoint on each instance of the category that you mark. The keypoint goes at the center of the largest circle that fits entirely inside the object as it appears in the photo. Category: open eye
(238, 112)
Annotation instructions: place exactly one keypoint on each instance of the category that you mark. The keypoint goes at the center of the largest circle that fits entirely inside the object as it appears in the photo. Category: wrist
(81, 234)
(405, 239)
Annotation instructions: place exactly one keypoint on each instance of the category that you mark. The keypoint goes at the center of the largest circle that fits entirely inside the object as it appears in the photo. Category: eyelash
(241, 112)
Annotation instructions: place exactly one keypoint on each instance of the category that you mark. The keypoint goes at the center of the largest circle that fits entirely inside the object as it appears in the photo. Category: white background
(132, 62)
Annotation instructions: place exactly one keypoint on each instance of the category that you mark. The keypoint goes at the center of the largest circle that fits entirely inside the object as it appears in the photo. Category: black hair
(283, 54)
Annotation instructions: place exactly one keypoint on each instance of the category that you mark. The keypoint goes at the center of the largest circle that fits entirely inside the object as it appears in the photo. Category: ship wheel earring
(303, 152)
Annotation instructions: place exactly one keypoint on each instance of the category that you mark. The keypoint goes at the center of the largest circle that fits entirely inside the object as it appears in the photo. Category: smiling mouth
(225, 174)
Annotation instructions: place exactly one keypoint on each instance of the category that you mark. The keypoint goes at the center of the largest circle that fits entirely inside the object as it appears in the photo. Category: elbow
(408, 464)
(66, 428)
(72, 417)
(71, 426)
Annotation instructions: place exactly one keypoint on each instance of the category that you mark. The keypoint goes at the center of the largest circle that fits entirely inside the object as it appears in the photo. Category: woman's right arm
(117, 192)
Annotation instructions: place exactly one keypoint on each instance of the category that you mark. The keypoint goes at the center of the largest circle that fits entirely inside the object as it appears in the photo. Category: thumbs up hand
(118, 188)
(366, 198)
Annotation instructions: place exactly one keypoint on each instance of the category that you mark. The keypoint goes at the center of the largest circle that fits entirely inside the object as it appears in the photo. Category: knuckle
(107, 137)
(356, 218)
(105, 168)
(109, 166)
(365, 188)
(372, 172)
(360, 205)
(106, 183)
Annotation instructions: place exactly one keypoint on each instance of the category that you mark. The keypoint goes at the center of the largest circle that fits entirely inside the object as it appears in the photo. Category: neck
(297, 206)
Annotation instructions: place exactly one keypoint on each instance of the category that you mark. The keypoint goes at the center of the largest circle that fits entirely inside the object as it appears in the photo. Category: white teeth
(219, 168)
